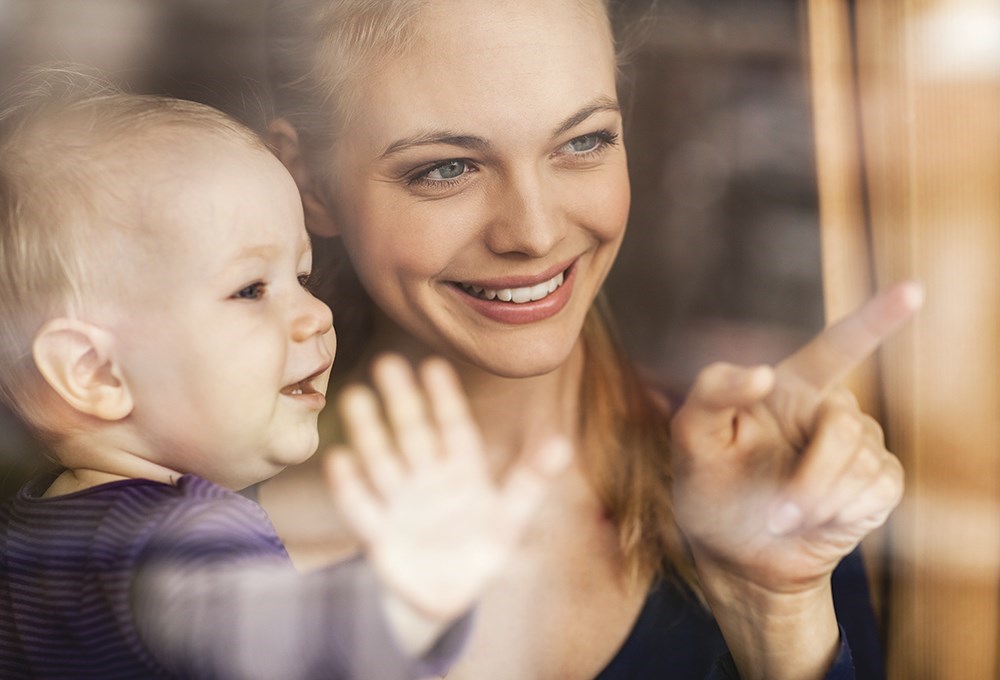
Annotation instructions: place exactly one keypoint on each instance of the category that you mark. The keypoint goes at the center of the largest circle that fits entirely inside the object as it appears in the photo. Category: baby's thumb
(529, 480)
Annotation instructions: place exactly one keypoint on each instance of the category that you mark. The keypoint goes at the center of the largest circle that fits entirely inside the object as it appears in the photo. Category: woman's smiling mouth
(517, 295)
(520, 300)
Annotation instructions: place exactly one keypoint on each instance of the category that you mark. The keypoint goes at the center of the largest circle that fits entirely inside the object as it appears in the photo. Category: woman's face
(482, 189)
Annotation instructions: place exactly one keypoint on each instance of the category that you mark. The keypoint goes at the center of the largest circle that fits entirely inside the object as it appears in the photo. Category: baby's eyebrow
(259, 252)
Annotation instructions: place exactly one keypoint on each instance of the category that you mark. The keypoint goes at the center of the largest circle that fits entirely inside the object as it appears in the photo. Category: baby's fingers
(367, 434)
(404, 406)
(357, 504)
(457, 430)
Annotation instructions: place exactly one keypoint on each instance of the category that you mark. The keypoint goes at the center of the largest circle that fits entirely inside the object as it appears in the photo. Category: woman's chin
(521, 362)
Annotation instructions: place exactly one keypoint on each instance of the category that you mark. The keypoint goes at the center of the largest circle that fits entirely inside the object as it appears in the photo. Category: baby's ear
(283, 139)
(77, 360)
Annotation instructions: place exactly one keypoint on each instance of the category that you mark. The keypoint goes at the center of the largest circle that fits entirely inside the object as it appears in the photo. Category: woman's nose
(312, 318)
(526, 219)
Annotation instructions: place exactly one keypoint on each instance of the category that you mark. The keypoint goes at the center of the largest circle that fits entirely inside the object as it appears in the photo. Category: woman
(469, 156)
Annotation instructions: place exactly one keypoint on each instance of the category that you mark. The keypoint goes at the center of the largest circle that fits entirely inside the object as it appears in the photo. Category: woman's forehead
(476, 67)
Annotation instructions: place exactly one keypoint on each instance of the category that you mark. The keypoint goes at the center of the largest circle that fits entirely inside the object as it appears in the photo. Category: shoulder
(205, 522)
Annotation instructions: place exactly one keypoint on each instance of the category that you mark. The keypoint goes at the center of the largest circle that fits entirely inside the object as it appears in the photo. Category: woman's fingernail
(785, 518)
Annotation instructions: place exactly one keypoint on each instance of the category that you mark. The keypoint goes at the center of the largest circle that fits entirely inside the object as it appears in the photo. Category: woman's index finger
(832, 354)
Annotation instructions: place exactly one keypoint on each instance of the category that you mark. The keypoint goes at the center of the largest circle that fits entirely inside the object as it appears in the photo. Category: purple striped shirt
(138, 579)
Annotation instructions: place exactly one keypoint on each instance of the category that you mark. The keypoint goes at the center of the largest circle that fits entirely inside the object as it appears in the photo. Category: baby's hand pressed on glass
(435, 524)
(778, 473)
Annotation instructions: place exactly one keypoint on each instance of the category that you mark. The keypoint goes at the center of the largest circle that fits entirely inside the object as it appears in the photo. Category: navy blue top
(674, 636)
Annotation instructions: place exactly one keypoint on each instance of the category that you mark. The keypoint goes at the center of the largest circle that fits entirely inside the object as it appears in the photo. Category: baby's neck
(97, 458)
(71, 481)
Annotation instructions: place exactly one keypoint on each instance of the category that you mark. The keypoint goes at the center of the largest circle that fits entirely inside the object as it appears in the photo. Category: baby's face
(225, 351)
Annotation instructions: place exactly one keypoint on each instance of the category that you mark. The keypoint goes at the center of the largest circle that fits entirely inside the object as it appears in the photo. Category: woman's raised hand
(417, 491)
(778, 474)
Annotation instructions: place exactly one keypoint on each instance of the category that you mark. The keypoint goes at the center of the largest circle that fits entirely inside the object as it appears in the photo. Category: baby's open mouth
(299, 389)
(304, 386)
(534, 293)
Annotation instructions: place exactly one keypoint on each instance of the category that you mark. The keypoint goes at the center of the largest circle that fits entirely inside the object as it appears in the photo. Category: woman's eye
(254, 291)
(446, 171)
(584, 143)
(594, 143)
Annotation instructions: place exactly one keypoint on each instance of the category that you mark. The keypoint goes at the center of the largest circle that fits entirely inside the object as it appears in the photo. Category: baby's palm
(436, 525)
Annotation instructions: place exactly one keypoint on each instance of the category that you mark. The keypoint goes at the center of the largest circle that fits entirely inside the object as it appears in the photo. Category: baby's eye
(254, 291)
(446, 171)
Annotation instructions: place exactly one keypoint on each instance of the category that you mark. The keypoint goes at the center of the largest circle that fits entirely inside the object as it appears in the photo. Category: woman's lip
(525, 312)
(518, 281)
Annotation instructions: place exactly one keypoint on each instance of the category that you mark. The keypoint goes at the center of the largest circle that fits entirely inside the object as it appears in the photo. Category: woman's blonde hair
(318, 50)
(68, 145)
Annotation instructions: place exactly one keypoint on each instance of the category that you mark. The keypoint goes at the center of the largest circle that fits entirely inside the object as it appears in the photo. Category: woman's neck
(514, 413)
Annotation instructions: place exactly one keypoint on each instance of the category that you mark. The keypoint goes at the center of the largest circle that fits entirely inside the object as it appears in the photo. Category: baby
(159, 335)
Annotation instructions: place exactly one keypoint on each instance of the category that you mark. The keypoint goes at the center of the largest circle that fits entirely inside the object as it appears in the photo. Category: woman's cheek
(608, 205)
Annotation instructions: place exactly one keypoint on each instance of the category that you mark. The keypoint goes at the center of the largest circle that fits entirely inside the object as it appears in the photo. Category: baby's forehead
(171, 168)
(185, 186)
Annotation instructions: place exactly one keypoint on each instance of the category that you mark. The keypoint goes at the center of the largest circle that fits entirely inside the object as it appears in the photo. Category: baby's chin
(269, 466)
(296, 451)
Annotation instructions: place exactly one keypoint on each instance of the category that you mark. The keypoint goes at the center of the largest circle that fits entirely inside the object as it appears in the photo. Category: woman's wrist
(790, 634)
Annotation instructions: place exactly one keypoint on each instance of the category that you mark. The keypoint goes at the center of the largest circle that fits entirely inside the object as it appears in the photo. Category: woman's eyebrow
(600, 104)
(430, 138)
(479, 144)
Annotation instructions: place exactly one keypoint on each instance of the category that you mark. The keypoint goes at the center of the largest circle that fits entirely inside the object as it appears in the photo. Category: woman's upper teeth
(518, 295)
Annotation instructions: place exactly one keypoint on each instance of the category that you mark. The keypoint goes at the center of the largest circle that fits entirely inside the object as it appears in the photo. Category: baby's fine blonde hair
(71, 146)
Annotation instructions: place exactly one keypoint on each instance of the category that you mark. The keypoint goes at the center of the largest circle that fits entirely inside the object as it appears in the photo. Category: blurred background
(788, 158)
